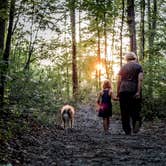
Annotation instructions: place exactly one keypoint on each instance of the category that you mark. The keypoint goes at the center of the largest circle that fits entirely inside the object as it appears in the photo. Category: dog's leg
(72, 122)
(62, 123)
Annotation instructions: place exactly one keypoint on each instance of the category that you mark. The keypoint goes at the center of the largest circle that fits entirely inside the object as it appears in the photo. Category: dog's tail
(66, 114)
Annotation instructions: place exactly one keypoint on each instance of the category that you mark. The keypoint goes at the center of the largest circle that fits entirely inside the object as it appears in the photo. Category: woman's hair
(130, 56)
(106, 84)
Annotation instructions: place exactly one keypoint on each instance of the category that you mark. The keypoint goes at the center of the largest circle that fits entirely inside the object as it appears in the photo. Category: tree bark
(7, 51)
(152, 24)
(131, 25)
(105, 45)
(74, 56)
(3, 18)
(152, 20)
(142, 29)
(98, 56)
(121, 35)
(149, 24)
(98, 74)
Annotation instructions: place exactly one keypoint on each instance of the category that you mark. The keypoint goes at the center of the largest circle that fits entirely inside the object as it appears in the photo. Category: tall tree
(105, 44)
(152, 19)
(121, 31)
(131, 25)
(142, 29)
(3, 18)
(98, 56)
(7, 50)
(72, 6)
(98, 43)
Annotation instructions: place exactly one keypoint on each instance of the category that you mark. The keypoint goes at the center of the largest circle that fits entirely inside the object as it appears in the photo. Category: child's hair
(106, 84)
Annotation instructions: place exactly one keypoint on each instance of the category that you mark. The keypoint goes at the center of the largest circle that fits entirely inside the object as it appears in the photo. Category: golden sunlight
(116, 69)
(100, 68)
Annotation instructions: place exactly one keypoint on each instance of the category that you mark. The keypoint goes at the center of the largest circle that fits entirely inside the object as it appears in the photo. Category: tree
(152, 19)
(3, 18)
(6, 53)
(121, 35)
(142, 29)
(40, 15)
(72, 6)
(131, 25)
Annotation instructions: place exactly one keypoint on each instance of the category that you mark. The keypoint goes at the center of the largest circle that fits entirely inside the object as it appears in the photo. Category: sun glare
(116, 69)
(100, 67)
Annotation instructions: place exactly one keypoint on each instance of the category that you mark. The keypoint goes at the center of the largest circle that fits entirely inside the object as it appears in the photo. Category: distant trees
(32, 31)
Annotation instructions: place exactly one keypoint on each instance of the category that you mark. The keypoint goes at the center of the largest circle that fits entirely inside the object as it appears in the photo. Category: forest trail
(86, 145)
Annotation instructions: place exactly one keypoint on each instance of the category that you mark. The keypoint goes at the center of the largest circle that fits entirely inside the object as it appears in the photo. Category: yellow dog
(67, 116)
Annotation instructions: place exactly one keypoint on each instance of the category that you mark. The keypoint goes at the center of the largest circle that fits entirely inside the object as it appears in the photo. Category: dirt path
(86, 145)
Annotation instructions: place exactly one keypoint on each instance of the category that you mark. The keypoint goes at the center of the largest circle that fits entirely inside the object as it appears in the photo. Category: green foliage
(12, 123)
(3, 9)
(154, 88)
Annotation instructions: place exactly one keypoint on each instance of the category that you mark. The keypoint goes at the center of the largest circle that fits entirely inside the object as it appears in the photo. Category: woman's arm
(139, 86)
(112, 95)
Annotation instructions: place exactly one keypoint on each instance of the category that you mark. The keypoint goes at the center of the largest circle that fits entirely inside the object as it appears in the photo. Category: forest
(54, 52)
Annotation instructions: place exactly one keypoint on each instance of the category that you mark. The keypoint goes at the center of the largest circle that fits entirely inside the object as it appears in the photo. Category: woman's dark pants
(130, 109)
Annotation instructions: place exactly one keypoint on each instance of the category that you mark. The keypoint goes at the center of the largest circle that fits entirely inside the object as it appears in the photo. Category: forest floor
(87, 145)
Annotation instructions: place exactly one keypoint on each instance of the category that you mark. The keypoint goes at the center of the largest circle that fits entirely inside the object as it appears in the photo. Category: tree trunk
(31, 42)
(2, 35)
(98, 56)
(142, 29)
(112, 47)
(131, 25)
(152, 19)
(67, 59)
(7, 51)
(98, 74)
(27, 65)
(149, 23)
(74, 56)
(3, 18)
(79, 53)
(105, 46)
(121, 34)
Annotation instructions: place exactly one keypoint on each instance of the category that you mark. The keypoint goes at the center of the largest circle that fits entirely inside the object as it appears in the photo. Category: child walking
(105, 105)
